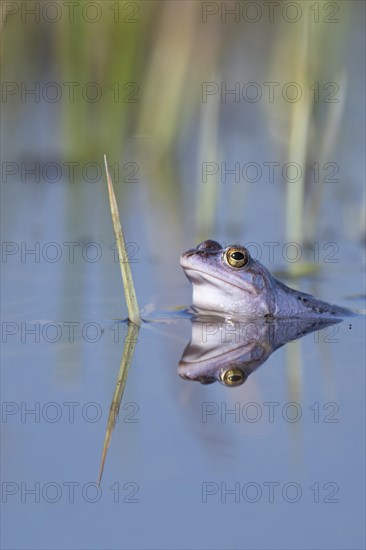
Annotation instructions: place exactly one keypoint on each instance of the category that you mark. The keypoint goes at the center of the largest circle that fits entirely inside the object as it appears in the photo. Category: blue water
(275, 463)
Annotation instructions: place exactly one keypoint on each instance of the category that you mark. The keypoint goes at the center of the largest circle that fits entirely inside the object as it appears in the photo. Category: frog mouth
(191, 272)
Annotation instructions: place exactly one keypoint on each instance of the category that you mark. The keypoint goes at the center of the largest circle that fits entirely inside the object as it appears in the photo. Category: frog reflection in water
(231, 283)
(229, 351)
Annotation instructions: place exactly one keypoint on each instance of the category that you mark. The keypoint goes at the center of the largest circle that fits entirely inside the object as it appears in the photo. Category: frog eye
(233, 377)
(237, 256)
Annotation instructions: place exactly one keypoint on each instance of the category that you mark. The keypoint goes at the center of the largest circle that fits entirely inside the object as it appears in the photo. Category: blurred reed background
(151, 66)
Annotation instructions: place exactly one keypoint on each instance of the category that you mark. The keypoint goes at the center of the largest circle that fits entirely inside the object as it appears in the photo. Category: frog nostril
(189, 253)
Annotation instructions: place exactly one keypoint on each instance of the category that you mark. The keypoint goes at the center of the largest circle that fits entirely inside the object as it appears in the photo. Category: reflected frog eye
(237, 256)
(233, 377)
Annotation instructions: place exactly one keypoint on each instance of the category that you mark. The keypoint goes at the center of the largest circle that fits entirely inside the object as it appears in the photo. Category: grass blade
(130, 294)
(130, 343)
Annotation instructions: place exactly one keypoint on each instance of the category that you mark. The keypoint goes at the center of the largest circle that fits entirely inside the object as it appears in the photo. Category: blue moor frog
(229, 282)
